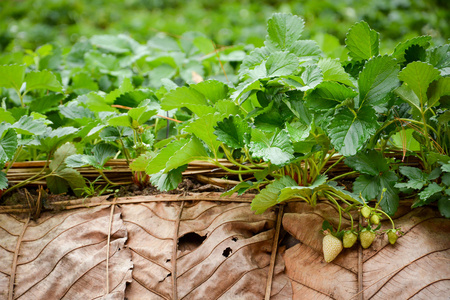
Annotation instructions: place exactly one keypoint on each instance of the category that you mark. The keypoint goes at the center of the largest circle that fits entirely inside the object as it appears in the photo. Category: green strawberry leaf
(42, 80)
(439, 57)
(233, 131)
(6, 116)
(444, 206)
(203, 128)
(12, 76)
(400, 49)
(142, 114)
(62, 176)
(327, 95)
(362, 42)
(276, 148)
(280, 63)
(240, 188)
(3, 180)
(369, 162)
(168, 181)
(269, 195)
(141, 162)
(119, 44)
(418, 76)
(430, 190)
(103, 153)
(192, 150)
(404, 139)
(303, 192)
(350, 130)
(51, 139)
(306, 50)
(182, 97)
(332, 70)
(377, 79)
(8, 145)
(371, 187)
(158, 163)
(284, 29)
(298, 131)
(312, 76)
(437, 89)
(120, 120)
(213, 90)
(417, 178)
(28, 125)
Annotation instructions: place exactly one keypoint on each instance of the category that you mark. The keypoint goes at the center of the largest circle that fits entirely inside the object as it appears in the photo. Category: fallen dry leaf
(223, 251)
(63, 256)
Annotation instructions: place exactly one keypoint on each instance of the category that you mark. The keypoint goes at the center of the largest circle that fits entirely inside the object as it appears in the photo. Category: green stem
(231, 159)
(342, 175)
(333, 165)
(392, 222)
(16, 155)
(218, 164)
(339, 209)
(31, 179)
(106, 178)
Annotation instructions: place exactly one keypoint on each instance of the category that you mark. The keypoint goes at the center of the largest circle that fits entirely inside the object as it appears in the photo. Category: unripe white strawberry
(332, 246)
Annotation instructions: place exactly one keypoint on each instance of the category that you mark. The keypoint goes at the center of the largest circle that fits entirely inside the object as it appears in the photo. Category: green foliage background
(31, 23)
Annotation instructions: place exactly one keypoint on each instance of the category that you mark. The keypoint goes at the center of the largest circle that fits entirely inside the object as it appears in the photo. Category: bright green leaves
(175, 155)
(375, 176)
(30, 126)
(268, 196)
(62, 177)
(276, 147)
(377, 80)
(213, 90)
(362, 42)
(8, 145)
(12, 76)
(101, 153)
(417, 77)
(166, 167)
(196, 97)
(158, 163)
(203, 128)
(42, 80)
(417, 178)
(403, 47)
(349, 130)
(284, 30)
(302, 192)
(233, 131)
(182, 97)
(332, 70)
(328, 95)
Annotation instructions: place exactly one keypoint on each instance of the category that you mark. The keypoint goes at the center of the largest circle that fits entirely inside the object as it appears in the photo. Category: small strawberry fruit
(332, 246)
(375, 219)
(349, 238)
(392, 236)
(366, 236)
(366, 211)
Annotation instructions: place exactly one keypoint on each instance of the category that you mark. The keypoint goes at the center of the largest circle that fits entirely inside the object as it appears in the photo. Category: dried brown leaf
(64, 255)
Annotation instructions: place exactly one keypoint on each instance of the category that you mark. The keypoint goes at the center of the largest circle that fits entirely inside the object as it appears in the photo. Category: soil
(30, 195)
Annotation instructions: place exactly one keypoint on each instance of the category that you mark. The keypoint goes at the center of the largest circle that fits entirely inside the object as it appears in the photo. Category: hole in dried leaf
(190, 241)
(234, 239)
(168, 260)
(289, 241)
(227, 252)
